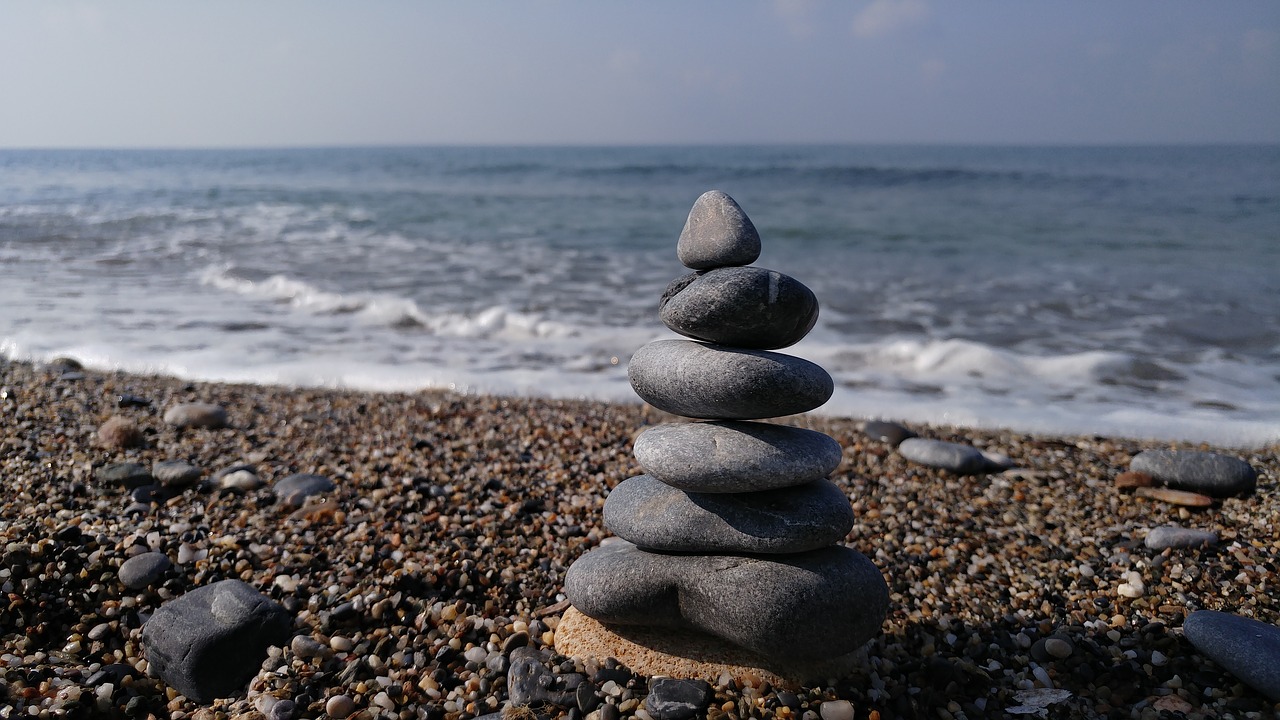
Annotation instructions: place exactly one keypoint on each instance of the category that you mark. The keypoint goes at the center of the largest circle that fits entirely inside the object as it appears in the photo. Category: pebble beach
(442, 550)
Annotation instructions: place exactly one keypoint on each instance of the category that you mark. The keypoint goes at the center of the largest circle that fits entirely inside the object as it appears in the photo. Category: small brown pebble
(1132, 479)
(120, 432)
(1175, 497)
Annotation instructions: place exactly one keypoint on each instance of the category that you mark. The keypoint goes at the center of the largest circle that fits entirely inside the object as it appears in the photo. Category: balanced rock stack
(733, 530)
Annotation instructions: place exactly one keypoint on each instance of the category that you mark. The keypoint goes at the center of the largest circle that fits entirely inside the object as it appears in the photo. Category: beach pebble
(1202, 472)
(142, 570)
(339, 706)
(1058, 648)
(1130, 480)
(673, 699)
(953, 457)
(282, 710)
(1174, 497)
(129, 475)
(656, 516)
(307, 647)
(746, 307)
(735, 456)
(887, 432)
(175, 473)
(126, 400)
(717, 233)
(529, 681)
(294, 490)
(689, 378)
(819, 604)
(1173, 536)
(120, 432)
(240, 480)
(211, 641)
(836, 710)
(1247, 648)
(196, 415)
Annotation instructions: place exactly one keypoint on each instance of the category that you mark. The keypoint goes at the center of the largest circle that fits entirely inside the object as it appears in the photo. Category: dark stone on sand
(735, 456)
(294, 490)
(125, 400)
(1173, 536)
(887, 432)
(746, 307)
(529, 681)
(211, 641)
(175, 473)
(806, 606)
(1247, 648)
(1202, 472)
(148, 494)
(142, 570)
(128, 475)
(676, 699)
(196, 415)
(697, 380)
(656, 516)
(717, 233)
(953, 457)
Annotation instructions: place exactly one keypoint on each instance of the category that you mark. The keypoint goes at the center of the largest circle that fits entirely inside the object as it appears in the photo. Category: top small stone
(717, 234)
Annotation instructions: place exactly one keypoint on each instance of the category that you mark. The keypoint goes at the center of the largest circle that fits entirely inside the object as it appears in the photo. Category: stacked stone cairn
(734, 530)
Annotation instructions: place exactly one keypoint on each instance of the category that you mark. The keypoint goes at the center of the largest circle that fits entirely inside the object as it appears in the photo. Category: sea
(1120, 291)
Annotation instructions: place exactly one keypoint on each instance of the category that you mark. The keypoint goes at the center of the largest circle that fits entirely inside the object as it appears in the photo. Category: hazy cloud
(883, 17)
(797, 15)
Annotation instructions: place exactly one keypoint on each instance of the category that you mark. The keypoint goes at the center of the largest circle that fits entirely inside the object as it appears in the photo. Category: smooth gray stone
(1203, 472)
(735, 456)
(717, 234)
(747, 307)
(677, 699)
(656, 516)
(294, 490)
(1173, 536)
(697, 380)
(175, 473)
(142, 570)
(196, 415)
(953, 457)
(887, 432)
(1247, 648)
(807, 606)
(211, 641)
(130, 475)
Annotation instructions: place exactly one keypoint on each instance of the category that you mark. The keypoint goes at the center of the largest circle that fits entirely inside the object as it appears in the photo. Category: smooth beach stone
(886, 432)
(1247, 648)
(294, 490)
(128, 475)
(953, 457)
(1173, 536)
(806, 606)
(745, 307)
(1203, 472)
(677, 699)
(175, 473)
(656, 516)
(211, 641)
(196, 415)
(735, 456)
(717, 234)
(693, 379)
(142, 570)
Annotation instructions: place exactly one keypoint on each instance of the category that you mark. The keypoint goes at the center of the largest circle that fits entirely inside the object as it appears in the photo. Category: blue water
(1131, 291)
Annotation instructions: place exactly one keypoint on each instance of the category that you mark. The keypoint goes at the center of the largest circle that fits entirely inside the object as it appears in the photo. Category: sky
(236, 73)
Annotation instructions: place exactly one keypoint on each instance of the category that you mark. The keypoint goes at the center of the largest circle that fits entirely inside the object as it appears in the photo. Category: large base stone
(690, 654)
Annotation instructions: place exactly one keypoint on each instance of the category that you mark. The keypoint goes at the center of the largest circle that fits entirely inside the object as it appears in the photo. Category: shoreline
(455, 517)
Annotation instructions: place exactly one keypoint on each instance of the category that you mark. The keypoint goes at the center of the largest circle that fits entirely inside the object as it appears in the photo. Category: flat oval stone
(196, 415)
(717, 234)
(807, 606)
(735, 456)
(1203, 472)
(175, 473)
(656, 516)
(693, 379)
(887, 432)
(128, 474)
(953, 457)
(142, 570)
(292, 491)
(746, 307)
(1173, 536)
(1247, 648)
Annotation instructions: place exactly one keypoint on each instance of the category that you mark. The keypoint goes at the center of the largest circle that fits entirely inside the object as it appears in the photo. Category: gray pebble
(953, 457)
(529, 681)
(886, 432)
(175, 473)
(142, 570)
(1173, 536)
(211, 641)
(693, 379)
(656, 516)
(735, 456)
(745, 307)
(806, 606)
(196, 415)
(129, 475)
(675, 699)
(717, 233)
(1202, 472)
(294, 490)
(1247, 648)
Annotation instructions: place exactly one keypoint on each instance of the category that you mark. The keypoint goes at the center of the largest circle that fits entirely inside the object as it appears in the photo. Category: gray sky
(288, 72)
